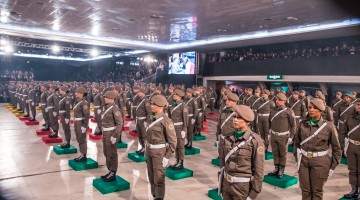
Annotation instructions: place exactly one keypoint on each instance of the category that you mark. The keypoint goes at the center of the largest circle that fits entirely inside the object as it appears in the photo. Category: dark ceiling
(167, 22)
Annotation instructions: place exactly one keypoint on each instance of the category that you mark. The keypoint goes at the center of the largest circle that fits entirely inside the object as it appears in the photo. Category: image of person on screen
(189, 65)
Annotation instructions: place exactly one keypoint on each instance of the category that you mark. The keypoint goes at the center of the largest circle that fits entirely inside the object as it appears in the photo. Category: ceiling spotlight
(3, 41)
(94, 52)
(56, 48)
(9, 49)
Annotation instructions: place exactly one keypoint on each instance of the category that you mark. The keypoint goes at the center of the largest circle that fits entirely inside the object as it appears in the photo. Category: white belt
(50, 107)
(212, 98)
(279, 133)
(233, 179)
(156, 146)
(42, 104)
(25, 95)
(128, 98)
(310, 154)
(297, 116)
(190, 115)
(140, 118)
(62, 111)
(222, 137)
(264, 115)
(108, 129)
(96, 106)
(199, 109)
(133, 106)
(178, 123)
(78, 118)
(354, 142)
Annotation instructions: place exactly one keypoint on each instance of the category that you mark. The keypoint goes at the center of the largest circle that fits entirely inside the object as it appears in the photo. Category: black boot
(47, 128)
(104, 176)
(159, 198)
(177, 162)
(81, 158)
(179, 165)
(110, 177)
(99, 132)
(189, 145)
(275, 172)
(33, 119)
(353, 193)
(141, 151)
(65, 145)
(281, 172)
(53, 135)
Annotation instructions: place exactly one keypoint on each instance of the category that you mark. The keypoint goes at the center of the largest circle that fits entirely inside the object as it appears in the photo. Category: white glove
(66, 121)
(32, 103)
(46, 110)
(83, 130)
(248, 198)
(113, 140)
(54, 114)
(269, 137)
(145, 124)
(192, 121)
(183, 134)
(330, 173)
(290, 140)
(217, 144)
(165, 162)
(98, 111)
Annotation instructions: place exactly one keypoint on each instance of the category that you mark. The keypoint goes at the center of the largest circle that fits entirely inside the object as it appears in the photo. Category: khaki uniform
(112, 123)
(314, 170)
(353, 150)
(262, 112)
(192, 114)
(134, 102)
(143, 115)
(127, 97)
(212, 101)
(64, 111)
(342, 113)
(32, 103)
(225, 128)
(246, 100)
(248, 163)
(201, 108)
(99, 104)
(119, 101)
(160, 132)
(299, 109)
(241, 98)
(170, 101)
(81, 119)
(43, 105)
(25, 101)
(282, 127)
(328, 114)
(179, 115)
(52, 110)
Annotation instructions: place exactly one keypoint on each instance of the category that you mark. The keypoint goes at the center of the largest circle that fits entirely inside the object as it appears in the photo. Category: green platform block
(269, 156)
(213, 194)
(60, 151)
(119, 184)
(215, 144)
(199, 137)
(178, 174)
(78, 166)
(192, 151)
(291, 148)
(136, 157)
(122, 145)
(216, 162)
(343, 198)
(284, 182)
(344, 161)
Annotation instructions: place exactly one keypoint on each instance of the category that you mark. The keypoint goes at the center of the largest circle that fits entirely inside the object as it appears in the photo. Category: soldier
(119, 101)
(143, 117)
(272, 95)
(242, 94)
(311, 145)
(225, 125)
(262, 109)
(81, 122)
(248, 97)
(335, 103)
(201, 108)
(179, 115)
(52, 110)
(192, 114)
(24, 99)
(64, 111)
(161, 144)
(342, 113)
(282, 130)
(112, 127)
(32, 101)
(158, 90)
(304, 98)
(254, 99)
(243, 171)
(223, 100)
(134, 102)
(127, 96)
(328, 113)
(152, 90)
(43, 101)
(212, 97)
(298, 107)
(351, 130)
(99, 104)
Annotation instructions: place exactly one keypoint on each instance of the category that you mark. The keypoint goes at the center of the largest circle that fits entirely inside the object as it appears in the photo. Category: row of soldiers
(280, 121)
